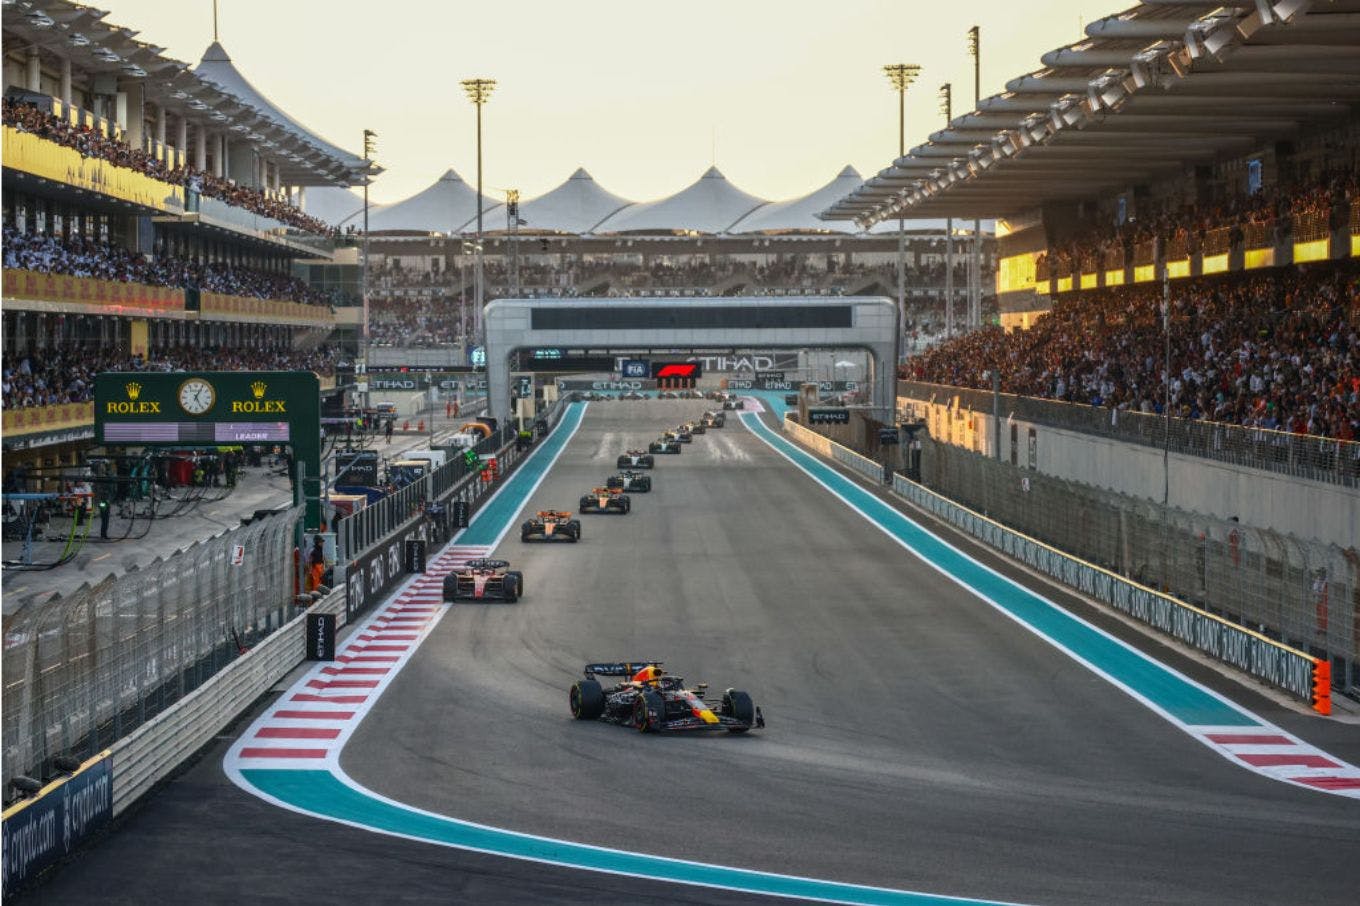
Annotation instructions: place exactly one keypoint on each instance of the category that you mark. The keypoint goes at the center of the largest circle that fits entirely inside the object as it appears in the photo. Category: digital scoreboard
(194, 433)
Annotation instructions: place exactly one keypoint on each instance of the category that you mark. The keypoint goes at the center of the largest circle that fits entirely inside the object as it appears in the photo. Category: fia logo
(634, 368)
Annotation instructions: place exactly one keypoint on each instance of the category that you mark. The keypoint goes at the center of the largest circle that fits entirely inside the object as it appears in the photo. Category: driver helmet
(649, 674)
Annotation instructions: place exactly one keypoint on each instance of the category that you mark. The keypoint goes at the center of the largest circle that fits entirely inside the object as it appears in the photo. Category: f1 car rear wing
(621, 669)
(485, 563)
(558, 515)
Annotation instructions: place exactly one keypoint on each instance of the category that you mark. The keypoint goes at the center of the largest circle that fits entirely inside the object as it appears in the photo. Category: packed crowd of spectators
(412, 322)
(81, 257)
(92, 143)
(51, 377)
(1323, 201)
(1279, 351)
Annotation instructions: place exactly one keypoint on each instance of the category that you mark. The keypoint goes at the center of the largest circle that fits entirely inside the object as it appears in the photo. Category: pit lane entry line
(319, 788)
(1245, 739)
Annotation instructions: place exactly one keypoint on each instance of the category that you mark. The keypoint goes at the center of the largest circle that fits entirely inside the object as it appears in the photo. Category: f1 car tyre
(450, 588)
(649, 712)
(738, 704)
(575, 527)
(627, 504)
(587, 700)
(586, 504)
(514, 586)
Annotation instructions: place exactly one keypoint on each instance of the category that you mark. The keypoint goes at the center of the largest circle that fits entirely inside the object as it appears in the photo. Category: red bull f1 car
(666, 443)
(551, 525)
(606, 500)
(652, 701)
(631, 482)
(636, 459)
(484, 580)
(682, 434)
(713, 420)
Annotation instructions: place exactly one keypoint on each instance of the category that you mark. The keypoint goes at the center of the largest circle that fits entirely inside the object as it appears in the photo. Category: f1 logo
(677, 370)
(634, 368)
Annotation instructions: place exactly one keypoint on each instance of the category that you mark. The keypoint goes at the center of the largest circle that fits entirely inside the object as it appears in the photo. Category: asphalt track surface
(917, 739)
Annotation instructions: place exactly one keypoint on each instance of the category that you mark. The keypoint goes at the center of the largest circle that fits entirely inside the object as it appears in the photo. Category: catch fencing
(1302, 593)
(1296, 455)
(87, 669)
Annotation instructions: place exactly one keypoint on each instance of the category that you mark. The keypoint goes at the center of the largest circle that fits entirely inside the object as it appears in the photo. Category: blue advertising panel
(40, 831)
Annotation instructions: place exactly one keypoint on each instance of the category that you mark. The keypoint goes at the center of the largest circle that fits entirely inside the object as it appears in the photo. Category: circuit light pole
(369, 147)
(975, 268)
(901, 75)
(947, 108)
(479, 92)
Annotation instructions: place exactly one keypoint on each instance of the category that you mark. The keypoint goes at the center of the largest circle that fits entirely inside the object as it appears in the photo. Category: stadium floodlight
(479, 92)
(901, 75)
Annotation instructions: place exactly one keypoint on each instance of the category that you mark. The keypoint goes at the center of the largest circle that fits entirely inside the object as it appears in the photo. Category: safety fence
(1298, 455)
(839, 452)
(84, 670)
(1248, 647)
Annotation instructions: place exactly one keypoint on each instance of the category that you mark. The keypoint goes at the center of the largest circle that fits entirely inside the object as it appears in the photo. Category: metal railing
(1299, 592)
(85, 670)
(1297, 455)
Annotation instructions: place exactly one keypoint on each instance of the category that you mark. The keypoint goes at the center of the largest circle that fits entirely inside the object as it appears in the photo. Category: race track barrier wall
(1293, 671)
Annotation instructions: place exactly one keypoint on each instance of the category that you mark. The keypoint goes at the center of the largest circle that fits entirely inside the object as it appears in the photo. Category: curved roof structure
(576, 206)
(216, 67)
(446, 206)
(1161, 86)
(710, 205)
(800, 214)
(338, 207)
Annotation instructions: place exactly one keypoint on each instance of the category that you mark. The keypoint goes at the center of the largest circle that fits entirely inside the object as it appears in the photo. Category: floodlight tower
(901, 75)
(479, 92)
(370, 145)
(975, 267)
(946, 95)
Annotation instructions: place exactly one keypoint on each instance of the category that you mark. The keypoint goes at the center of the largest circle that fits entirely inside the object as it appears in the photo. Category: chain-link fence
(84, 670)
(1303, 593)
(1302, 456)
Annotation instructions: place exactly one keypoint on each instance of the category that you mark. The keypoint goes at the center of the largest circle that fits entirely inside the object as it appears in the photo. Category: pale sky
(643, 95)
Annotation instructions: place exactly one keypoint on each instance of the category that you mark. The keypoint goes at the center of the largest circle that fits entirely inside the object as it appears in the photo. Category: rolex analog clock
(196, 396)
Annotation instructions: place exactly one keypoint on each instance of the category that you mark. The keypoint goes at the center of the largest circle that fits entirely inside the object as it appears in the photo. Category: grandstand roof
(575, 206)
(446, 206)
(216, 67)
(1151, 90)
(709, 205)
(65, 30)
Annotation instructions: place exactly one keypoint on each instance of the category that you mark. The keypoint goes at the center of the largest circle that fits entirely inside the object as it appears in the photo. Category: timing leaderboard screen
(195, 432)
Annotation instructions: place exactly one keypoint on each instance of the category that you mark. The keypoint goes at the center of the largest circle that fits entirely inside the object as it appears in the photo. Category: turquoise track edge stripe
(1148, 680)
(322, 794)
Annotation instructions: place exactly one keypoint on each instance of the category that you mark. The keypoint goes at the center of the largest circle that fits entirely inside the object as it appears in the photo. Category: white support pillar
(200, 147)
(160, 124)
(66, 85)
(220, 164)
(302, 198)
(34, 74)
(133, 115)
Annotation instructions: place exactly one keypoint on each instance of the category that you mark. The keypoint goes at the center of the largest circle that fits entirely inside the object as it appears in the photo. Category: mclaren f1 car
(551, 525)
(652, 701)
(636, 459)
(484, 580)
(606, 500)
(630, 482)
(666, 443)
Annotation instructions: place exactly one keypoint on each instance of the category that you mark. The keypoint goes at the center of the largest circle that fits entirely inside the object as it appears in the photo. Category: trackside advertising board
(39, 832)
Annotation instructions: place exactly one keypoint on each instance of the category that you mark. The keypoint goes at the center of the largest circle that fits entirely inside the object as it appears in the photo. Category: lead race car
(653, 701)
(631, 482)
(551, 525)
(666, 443)
(484, 580)
(636, 459)
(714, 419)
(606, 500)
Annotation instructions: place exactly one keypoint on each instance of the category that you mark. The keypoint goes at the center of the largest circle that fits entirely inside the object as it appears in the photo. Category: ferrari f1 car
(652, 701)
(714, 420)
(666, 443)
(636, 459)
(632, 482)
(551, 525)
(484, 580)
(606, 500)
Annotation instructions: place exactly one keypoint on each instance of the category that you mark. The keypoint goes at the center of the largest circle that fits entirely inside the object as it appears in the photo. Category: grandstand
(153, 213)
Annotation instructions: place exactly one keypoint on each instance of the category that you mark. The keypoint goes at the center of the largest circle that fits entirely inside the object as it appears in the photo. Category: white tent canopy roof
(800, 214)
(216, 67)
(576, 206)
(709, 205)
(337, 207)
(446, 206)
